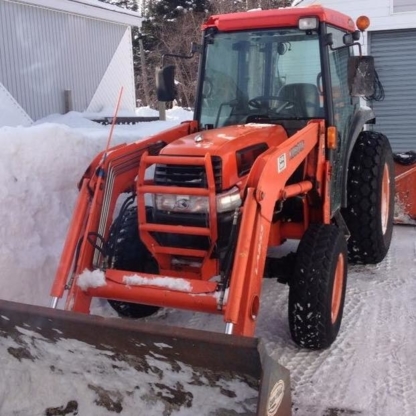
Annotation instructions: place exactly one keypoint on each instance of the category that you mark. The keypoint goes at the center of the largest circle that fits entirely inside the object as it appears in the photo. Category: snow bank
(40, 167)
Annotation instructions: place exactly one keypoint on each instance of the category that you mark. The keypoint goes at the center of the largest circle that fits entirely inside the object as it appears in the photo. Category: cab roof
(275, 18)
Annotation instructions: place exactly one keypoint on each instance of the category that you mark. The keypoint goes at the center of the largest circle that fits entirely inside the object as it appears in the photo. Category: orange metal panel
(178, 190)
(180, 251)
(276, 18)
(175, 229)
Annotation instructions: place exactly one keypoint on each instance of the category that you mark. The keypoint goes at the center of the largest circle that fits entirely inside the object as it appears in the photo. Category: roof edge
(89, 8)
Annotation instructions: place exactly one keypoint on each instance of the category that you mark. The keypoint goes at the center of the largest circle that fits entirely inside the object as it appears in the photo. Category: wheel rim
(385, 199)
(337, 289)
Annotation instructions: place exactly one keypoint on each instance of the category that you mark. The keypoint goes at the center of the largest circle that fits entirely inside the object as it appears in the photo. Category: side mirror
(361, 76)
(165, 83)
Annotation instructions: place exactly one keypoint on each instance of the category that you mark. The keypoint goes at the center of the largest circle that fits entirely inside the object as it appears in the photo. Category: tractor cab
(289, 69)
(285, 67)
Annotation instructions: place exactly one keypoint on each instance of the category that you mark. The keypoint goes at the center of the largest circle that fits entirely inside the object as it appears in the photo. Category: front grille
(188, 176)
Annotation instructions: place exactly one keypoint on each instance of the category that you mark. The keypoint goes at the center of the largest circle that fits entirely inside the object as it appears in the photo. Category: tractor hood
(226, 140)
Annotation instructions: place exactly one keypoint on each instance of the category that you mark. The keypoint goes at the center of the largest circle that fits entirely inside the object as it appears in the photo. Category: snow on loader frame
(277, 151)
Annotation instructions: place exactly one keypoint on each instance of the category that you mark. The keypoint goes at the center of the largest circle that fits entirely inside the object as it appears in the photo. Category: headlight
(308, 23)
(227, 201)
(181, 203)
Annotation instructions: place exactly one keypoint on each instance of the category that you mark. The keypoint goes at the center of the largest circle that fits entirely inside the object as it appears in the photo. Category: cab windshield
(261, 76)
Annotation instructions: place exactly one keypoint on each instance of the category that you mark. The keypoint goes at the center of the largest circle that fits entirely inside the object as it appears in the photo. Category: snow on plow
(405, 179)
(68, 363)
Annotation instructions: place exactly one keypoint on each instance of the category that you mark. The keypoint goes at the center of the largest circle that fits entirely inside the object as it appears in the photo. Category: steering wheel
(262, 102)
(207, 87)
(319, 83)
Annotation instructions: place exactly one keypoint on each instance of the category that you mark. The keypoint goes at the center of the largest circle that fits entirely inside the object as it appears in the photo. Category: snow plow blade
(164, 370)
(405, 180)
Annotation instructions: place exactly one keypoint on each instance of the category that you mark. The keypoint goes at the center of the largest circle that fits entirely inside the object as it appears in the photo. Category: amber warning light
(363, 22)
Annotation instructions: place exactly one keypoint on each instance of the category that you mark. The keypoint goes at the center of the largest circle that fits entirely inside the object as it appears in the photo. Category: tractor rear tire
(317, 290)
(370, 199)
(131, 254)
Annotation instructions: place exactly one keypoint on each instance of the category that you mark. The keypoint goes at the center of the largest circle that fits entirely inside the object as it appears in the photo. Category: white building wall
(76, 45)
(108, 90)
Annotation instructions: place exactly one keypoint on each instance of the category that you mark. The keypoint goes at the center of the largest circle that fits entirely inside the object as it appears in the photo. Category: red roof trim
(287, 17)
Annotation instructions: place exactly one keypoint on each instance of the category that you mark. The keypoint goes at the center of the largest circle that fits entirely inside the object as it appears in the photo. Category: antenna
(110, 136)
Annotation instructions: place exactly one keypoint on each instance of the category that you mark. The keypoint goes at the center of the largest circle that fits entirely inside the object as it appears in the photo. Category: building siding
(45, 52)
(401, 6)
(112, 81)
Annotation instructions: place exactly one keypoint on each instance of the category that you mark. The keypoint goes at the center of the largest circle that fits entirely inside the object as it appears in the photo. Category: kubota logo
(296, 149)
(275, 398)
(182, 203)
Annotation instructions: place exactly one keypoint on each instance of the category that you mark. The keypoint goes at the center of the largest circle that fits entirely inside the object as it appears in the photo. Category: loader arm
(105, 180)
(267, 185)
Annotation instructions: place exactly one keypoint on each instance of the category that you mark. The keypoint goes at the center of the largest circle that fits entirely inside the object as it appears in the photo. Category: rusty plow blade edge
(405, 197)
(210, 356)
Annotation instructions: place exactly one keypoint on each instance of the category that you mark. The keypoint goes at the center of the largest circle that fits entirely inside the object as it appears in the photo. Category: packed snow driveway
(370, 370)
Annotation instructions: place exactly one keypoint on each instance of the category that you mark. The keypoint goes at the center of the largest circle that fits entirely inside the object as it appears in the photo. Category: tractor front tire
(370, 199)
(131, 254)
(317, 290)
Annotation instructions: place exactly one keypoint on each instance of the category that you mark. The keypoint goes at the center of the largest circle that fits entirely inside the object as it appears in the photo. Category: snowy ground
(369, 370)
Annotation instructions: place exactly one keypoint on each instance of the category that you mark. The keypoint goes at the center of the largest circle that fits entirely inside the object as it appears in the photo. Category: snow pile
(180, 285)
(89, 279)
(401, 215)
(96, 278)
(40, 167)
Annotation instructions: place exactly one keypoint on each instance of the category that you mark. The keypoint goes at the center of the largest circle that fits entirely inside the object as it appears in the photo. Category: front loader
(279, 149)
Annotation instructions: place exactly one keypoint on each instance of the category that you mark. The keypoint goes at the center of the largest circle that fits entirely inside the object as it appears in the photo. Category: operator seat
(304, 96)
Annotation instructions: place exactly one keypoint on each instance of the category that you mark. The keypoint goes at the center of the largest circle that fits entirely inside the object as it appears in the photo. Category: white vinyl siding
(48, 47)
(401, 6)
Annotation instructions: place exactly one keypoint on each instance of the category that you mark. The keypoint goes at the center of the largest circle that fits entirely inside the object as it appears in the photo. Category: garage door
(395, 60)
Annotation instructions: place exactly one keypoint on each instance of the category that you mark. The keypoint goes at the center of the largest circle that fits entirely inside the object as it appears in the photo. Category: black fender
(364, 115)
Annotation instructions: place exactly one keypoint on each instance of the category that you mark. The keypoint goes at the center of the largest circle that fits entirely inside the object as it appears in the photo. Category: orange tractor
(278, 150)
